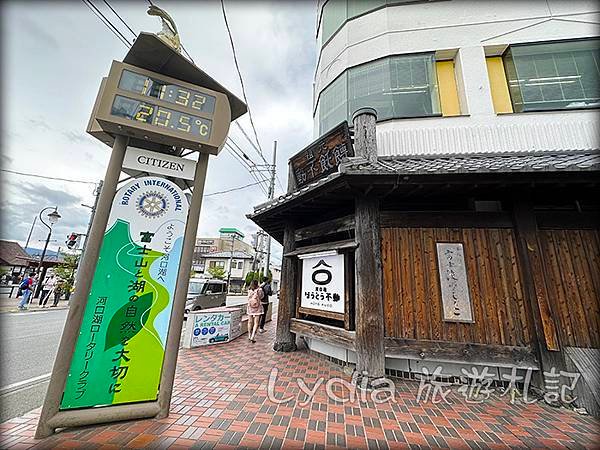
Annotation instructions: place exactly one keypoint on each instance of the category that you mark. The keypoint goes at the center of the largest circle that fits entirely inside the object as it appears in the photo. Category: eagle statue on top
(169, 33)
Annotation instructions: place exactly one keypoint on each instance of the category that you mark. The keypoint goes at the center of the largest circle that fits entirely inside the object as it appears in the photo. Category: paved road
(28, 345)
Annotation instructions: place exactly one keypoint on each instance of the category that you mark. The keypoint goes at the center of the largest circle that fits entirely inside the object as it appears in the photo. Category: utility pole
(87, 233)
(271, 194)
(230, 262)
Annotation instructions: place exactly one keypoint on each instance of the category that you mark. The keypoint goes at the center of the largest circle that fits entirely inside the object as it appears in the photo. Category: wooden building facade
(487, 260)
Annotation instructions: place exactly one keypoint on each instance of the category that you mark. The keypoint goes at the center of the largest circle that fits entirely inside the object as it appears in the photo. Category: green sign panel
(119, 353)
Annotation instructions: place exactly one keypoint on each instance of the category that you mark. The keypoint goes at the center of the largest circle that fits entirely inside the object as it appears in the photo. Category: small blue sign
(212, 330)
(196, 331)
(204, 331)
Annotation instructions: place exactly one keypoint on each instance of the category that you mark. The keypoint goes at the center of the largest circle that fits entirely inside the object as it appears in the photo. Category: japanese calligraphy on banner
(323, 156)
(119, 353)
(323, 283)
(453, 281)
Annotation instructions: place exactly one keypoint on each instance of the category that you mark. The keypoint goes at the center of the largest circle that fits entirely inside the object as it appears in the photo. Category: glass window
(195, 288)
(559, 75)
(358, 7)
(334, 108)
(334, 15)
(397, 87)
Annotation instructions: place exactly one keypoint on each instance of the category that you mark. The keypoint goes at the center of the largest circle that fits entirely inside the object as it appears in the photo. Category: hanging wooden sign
(323, 156)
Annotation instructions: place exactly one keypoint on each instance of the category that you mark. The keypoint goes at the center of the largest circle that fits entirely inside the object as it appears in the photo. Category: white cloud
(54, 55)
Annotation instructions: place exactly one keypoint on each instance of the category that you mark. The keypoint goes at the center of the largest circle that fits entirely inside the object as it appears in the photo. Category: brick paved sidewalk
(220, 401)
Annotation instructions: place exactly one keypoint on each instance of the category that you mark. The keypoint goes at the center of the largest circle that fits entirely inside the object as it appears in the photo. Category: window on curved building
(333, 103)
(396, 87)
(554, 76)
(335, 13)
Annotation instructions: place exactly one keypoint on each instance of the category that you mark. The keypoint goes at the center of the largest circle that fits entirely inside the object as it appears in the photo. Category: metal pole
(89, 227)
(271, 194)
(230, 261)
(78, 301)
(183, 278)
(30, 231)
(38, 287)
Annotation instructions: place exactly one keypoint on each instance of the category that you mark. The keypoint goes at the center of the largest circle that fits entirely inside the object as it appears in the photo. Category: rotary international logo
(152, 204)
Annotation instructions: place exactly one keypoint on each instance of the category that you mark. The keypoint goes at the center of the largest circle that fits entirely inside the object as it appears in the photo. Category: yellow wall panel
(498, 85)
(447, 86)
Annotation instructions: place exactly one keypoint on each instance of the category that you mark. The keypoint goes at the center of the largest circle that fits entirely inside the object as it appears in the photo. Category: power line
(120, 18)
(237, 66)
(35, 175)
(254, 170)
(232, 189)
(107, 22)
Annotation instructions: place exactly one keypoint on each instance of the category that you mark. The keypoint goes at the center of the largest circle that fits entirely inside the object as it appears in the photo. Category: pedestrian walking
(26, 288)
(47, 289)
(267, 291)
(255, 309)
(57, 293)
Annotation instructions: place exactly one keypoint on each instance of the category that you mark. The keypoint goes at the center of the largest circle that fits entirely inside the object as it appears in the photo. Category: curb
(16, 310)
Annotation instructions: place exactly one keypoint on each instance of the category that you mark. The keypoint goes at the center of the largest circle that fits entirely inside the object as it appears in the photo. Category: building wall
(470, 31)
(412, 295)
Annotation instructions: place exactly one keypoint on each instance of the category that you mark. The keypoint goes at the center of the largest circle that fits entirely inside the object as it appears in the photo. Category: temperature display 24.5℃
(160, 117)
(172, 93)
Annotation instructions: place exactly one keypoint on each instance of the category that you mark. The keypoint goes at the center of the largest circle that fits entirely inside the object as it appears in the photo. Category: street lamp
(53, 217)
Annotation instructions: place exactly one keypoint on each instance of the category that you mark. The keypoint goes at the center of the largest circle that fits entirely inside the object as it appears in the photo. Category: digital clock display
(161, 117)
(172, 93)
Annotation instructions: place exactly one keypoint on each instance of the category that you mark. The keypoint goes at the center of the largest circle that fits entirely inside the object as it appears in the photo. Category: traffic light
(72, 240)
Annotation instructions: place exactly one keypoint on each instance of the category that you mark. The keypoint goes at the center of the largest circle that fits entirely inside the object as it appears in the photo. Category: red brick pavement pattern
(220, 401)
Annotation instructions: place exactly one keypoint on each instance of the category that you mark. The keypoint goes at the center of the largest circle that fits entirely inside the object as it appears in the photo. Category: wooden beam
(454, 352)
(285, 341)
(369, 289)
(544, 336)
(565, 220)
(443, 219)
(333, 226)
(337, 245)
(326, 333)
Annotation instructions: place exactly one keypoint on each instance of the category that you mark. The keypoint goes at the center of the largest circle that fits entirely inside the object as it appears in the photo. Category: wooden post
(285, 340)
(545, 337)
(365, 133)
(370, 353)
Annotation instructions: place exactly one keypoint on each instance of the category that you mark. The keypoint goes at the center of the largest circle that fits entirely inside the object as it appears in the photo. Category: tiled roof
(452, 164)
(236, 255)
(12, 254)
(483, 163)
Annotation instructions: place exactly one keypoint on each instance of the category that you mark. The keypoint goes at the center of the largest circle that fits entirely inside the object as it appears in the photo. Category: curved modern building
(463, 231)
(459, 76)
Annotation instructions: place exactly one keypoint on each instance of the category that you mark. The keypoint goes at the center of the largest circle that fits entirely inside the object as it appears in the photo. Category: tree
(217, 272)
(65, 272)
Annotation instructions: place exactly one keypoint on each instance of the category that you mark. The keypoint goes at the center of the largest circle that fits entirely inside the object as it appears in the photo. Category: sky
(54, 55)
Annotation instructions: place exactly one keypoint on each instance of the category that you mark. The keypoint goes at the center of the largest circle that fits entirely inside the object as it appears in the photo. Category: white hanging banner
(323, 285)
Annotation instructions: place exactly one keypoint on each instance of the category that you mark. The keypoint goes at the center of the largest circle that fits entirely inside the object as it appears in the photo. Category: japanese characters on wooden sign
(456, 301)
(323, 286)
(119, 353)
(323, 156)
